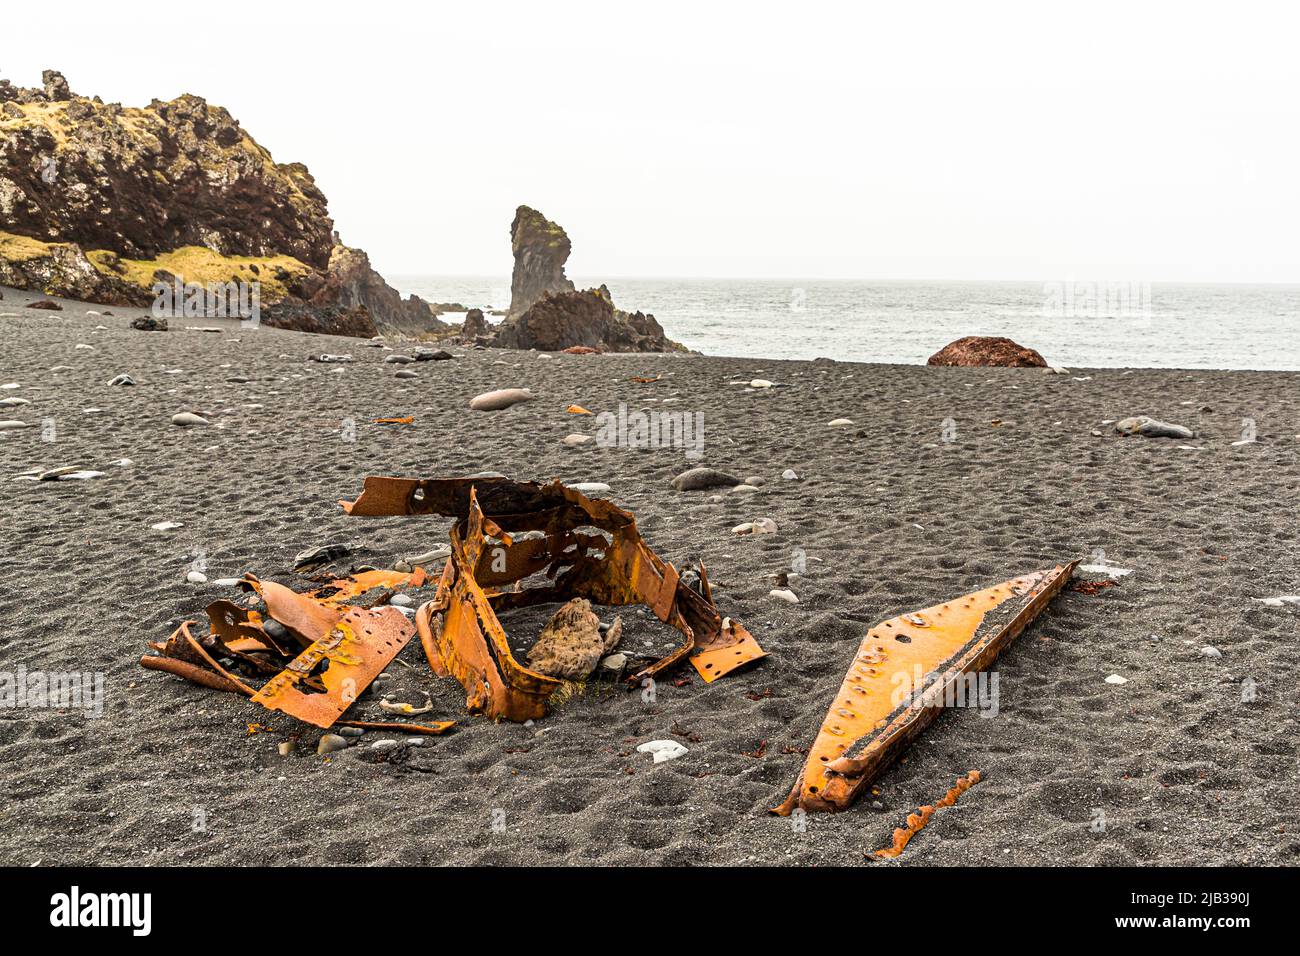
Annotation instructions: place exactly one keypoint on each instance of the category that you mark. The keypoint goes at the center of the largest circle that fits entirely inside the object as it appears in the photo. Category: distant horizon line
(504, 278)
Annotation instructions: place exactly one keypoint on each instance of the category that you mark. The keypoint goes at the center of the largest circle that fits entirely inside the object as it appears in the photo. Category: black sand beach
(1182, 765)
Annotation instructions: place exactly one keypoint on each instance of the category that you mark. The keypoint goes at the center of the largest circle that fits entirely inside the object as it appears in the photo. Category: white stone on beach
(166, 525)
(7, 426)
(1210, 651)
(196, 577)
(573, 440)
(80, 475)
(226, 582)
(400, 600)
(761, 383)
(784, 594)
(397, 359)
(122, 379)
(14, 402)
(840, 422)
(405, 373)
(500, 399)
(11, 385)
(1107, 569)
(186, 419)
(790, 475)
(1116, 679)
(1279, 601)
(662, 750)
(589, 487)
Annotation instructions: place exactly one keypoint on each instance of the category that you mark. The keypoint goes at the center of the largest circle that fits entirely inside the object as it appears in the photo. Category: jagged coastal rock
(987, 350)
(99, 201)
(541, 248)
(588, 318)
(548, 313)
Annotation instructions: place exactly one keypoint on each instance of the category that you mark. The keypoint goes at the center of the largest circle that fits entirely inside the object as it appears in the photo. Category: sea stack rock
(980, 350)
(541, 248)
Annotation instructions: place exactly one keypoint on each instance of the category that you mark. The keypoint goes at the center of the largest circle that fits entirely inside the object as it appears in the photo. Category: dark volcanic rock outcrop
(548, 313)
(140, 182)
(328, 320)
(98, 201)
(987, 350)
(563, 320)
(541, 248)
(351, 282)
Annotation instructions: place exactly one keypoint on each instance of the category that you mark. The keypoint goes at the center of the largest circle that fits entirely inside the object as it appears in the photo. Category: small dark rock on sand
(47, 305)
(147, 323)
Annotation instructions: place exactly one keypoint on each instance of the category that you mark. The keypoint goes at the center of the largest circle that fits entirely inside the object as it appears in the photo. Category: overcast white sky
(858, 140)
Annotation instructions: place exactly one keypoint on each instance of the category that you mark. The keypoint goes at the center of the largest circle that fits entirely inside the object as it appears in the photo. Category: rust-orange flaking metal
(580, 547)
(904, 671)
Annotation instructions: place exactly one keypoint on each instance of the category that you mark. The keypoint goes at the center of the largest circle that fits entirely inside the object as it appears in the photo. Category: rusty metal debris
(318, 651)
(917, 821)
(508, 533)
(870, 722)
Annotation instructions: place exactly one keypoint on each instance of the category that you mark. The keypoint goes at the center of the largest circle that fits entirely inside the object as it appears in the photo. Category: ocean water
(1101, 325)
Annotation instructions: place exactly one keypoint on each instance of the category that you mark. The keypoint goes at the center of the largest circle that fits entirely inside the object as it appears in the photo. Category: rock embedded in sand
(1152, 428)
(573, 440)
(397, 359)
(790, 475)
(148, 323)
(1116, 679)
(1212, 652)
(329, 743)
(840, 422)
(500, 399)
(405, 373)
(122, 379)
(784, 594)
(189, 419)
(46, 305)
(196, 577)
(699, 479)
(13, 402)
(11, 425)
(572, 644)
(984, 350)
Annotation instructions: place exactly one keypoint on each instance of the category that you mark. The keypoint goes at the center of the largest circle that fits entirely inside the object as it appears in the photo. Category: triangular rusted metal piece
(905, 670)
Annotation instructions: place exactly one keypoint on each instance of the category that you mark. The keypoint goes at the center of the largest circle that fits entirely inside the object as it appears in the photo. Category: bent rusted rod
(191, 672)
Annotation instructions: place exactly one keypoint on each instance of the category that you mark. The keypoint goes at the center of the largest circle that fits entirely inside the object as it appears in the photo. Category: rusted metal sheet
(324, 653)
(360, 644)
(904, 671)
(580, 547)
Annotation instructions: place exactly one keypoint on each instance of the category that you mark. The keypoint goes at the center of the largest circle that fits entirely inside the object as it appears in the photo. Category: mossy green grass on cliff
(14, 248)
(196, 264)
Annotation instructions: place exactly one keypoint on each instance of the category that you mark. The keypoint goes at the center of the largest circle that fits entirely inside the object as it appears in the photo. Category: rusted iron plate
(900, 677)
(359, 645)
(587, 548)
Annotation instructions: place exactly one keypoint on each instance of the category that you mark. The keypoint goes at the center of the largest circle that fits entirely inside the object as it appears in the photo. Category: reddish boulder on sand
(987, 350)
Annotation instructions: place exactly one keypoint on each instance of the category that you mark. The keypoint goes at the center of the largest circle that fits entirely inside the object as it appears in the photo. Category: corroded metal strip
(903, 672)
(326, 678)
